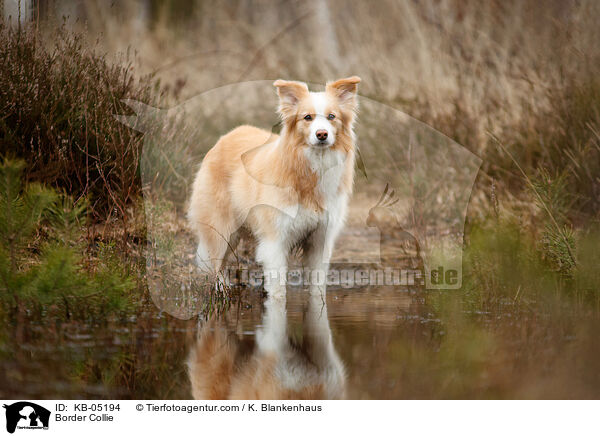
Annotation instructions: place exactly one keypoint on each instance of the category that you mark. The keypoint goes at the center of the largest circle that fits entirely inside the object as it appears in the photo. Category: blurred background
(525, 71)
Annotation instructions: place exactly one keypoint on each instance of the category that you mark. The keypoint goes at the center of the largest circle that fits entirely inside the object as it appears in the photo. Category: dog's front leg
(317, 253)
(272, 254)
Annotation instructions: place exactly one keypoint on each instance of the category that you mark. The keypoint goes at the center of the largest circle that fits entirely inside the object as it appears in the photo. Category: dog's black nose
(321, 135)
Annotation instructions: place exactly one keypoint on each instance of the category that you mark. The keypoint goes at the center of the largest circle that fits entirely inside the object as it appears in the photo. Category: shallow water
(363, 343)
(146, 356)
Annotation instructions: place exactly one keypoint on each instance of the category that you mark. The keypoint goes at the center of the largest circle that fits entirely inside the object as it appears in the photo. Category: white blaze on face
(320, 122)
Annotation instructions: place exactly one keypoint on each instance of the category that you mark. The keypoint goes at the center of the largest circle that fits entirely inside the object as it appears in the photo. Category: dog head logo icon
(26, 415)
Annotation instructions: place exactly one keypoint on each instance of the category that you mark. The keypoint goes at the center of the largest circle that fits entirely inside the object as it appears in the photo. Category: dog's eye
(331, 116)
(308, 118)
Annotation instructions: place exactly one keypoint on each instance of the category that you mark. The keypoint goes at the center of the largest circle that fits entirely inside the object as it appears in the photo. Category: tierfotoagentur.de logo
(404, 227)
(24, 415)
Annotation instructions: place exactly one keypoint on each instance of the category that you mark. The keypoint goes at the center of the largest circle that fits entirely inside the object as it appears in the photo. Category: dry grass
(522, 71)
(59, 102)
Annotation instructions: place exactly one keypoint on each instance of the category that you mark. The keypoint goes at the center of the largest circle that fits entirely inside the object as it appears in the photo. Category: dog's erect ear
(345, 90)
(290, 93)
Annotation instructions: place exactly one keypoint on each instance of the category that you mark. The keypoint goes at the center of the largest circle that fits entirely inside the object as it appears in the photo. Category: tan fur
(250, 176)
(218, 369)
(215, 375)
(214, 354)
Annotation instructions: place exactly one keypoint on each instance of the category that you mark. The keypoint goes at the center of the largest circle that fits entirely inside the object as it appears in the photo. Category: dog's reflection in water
(277, 368)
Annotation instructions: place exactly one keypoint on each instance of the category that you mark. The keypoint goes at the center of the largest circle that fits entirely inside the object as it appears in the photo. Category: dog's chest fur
(300, 221)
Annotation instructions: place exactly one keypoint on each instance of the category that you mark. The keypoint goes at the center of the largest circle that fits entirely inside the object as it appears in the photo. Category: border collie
(288, 190)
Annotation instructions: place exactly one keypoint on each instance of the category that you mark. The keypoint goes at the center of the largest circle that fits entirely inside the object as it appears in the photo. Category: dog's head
(318, 118)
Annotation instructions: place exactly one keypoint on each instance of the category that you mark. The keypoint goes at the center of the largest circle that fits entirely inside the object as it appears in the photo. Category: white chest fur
(329, 166)
(299, 221)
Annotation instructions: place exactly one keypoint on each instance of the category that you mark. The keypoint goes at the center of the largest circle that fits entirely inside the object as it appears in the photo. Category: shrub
(58, 106)
(41, 267)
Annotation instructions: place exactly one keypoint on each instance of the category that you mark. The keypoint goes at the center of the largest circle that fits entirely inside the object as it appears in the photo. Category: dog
(289, 190)
(276, 368)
